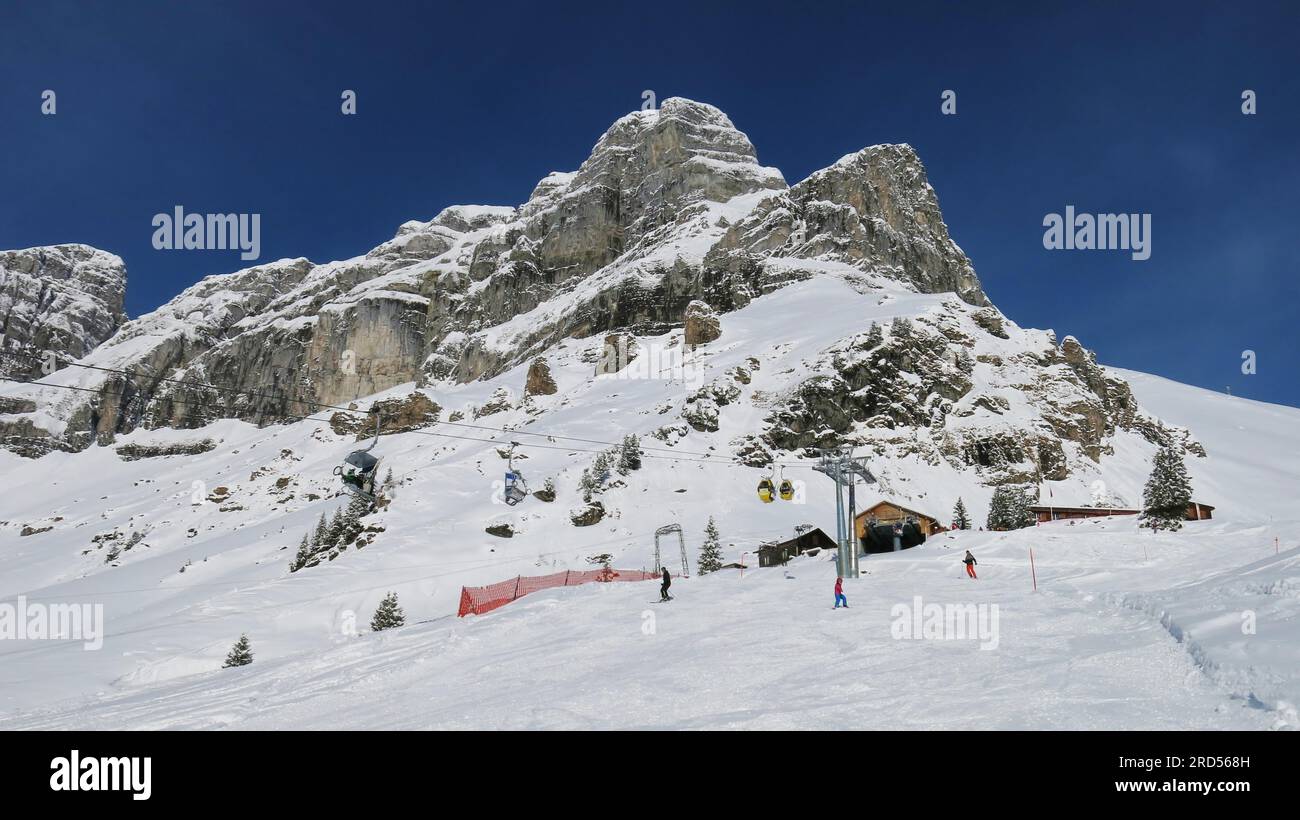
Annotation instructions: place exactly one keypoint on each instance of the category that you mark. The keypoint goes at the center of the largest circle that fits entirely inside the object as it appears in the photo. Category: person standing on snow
(839, 594)
(663, 590)
(970, 563)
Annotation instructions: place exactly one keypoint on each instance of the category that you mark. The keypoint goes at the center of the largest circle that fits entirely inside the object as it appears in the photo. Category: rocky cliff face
(61, 299)
(670, 222)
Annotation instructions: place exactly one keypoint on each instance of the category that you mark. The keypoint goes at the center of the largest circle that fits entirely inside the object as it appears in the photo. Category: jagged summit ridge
(672, 207)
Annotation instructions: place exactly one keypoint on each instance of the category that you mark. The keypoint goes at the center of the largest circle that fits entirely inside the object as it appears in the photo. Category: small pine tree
(351, 527)
(332, 532)
(960, 519)
(321, 531)
(629, 455)
(241, 654)
(875, 336)
(304, 554)
(389, 481)
(388, 615)
(600, 467)
(1168, 491)
(711, 551)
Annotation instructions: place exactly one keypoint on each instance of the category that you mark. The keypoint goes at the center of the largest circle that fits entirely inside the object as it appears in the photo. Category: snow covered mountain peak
(671, 209)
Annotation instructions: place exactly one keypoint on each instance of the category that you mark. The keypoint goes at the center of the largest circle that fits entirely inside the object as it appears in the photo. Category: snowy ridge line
(255, 394)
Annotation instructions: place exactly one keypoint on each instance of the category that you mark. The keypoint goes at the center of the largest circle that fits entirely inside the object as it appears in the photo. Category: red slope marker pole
(1033, 572)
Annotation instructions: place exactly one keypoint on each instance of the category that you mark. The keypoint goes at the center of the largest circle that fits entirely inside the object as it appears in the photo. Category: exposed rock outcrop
(539, 381)
(62, 299)
(702, 324)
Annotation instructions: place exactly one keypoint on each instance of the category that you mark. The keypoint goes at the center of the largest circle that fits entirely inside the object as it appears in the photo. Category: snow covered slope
(1098, 646)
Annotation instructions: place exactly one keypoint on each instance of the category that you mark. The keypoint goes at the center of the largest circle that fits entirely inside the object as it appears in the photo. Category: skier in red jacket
(839, 594)
(970, 562)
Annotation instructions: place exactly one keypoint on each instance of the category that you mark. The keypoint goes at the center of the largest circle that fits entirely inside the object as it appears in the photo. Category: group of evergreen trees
(624, 459)
(331, 537)
(1009, 509)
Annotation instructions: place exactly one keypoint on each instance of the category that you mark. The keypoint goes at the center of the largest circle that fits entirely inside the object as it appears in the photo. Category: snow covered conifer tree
(1168, 491)
(875, 336)
(241, 654)
(304, 554)
(600, 468)
(332, 532)
(388, 615)
(960, 519)
(711, 551)
(322, 530)
(350, 526)
(1009, 509)
(1021, 514)
(629, 455)
(997, 518)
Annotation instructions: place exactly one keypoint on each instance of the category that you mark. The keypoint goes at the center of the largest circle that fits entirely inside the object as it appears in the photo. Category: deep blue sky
(1111, 107)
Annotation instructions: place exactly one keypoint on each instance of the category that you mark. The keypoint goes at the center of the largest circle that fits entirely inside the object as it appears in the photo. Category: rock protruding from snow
(539, 382)
(702, 324)
(60, 299)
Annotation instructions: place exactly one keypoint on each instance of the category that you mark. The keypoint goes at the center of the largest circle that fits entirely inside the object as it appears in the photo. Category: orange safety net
(478, 600)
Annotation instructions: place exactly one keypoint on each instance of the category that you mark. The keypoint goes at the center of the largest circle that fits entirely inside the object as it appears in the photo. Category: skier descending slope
(663, 590)
(839, 594)
(970, 562)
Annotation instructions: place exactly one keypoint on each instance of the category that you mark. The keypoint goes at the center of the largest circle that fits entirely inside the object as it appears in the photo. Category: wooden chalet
(888, 512)
(1196, 511)
(774, 555)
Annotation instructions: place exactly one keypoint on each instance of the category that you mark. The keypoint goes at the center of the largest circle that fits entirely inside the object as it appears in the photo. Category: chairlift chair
(359, 469)
(516, 488)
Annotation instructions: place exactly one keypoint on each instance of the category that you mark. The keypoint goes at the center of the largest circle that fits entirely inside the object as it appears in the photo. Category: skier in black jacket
(663, 590)
(970, 562)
